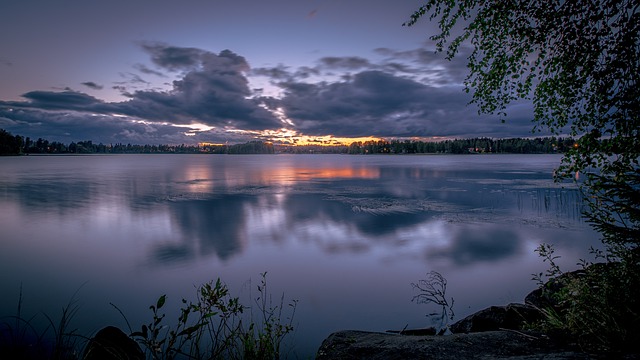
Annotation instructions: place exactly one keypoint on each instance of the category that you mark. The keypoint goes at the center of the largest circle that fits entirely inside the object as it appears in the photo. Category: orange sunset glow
(291, 137)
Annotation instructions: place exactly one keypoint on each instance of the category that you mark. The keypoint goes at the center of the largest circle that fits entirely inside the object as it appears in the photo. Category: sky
(230, 71)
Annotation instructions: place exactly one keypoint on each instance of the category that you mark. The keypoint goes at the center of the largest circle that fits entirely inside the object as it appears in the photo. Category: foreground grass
(215, 325)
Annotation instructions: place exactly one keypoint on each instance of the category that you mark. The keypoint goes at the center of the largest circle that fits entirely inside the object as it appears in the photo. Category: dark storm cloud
(348, 62)
(214, 91)
(67, 99)
(371, 103)
(423, 65)
(305, 72)
(173, 57)
(395, 97)
(403, 94)
(122, 89)
(92, 85)
(380, 104)
(279, 72)
(282, 73)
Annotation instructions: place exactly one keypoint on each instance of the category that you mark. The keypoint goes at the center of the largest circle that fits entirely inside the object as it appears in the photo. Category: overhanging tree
(578, 61)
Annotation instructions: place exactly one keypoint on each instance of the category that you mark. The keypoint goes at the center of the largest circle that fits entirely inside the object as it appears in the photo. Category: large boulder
(111, 343)
(512, 317)
(544, 297)
(349, 345)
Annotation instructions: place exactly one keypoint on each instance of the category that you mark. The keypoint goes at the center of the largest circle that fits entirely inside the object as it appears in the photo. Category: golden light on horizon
(291, 137)
(327, 140)
(209, 144)
(287, 136)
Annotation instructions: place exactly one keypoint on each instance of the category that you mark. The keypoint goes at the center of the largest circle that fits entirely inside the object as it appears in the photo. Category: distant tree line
(457, 146)
(545, 145)
(15, 145)
(9, 144)
(312, 149)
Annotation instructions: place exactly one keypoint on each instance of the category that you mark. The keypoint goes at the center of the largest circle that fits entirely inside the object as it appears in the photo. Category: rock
(544, 297)
(111, 343)
(512, 316)
(414, 332)
(348, 345)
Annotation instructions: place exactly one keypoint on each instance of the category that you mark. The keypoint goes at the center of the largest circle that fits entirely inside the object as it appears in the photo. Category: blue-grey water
(344, 235)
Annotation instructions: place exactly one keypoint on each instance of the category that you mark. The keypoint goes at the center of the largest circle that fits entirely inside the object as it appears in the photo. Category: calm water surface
(344, 235)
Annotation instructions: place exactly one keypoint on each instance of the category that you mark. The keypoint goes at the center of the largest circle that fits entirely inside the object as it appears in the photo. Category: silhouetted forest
(16, 145)
(545, 145)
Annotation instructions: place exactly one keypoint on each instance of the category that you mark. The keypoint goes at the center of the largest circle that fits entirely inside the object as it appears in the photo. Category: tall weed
(598, 306)
(217, 326)
(20, 338)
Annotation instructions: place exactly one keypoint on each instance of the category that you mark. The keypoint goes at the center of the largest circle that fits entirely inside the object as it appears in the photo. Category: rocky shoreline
(349, 345)
(496, 332)
(492, 333)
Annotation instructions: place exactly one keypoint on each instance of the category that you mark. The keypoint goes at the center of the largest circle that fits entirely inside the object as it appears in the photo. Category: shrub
(216, 326)
(598, 306)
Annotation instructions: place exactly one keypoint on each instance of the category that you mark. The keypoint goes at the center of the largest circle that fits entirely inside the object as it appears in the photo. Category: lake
(344, 235)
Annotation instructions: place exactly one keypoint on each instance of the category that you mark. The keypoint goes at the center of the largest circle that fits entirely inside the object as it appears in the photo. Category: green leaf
(190, 330)
(211, 314)
(161, 301)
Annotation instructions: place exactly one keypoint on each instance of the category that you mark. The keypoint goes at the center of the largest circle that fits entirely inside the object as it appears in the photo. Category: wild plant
(599, 305)
(264, 339)
(216, 326)
(433, 290)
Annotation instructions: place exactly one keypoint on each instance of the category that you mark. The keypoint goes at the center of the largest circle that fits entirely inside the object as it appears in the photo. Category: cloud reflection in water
(214, 202)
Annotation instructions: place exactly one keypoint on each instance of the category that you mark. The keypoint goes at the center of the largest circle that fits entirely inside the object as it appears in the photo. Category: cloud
(397, 94)
(214, 92)
(411, 93)
(426, 65)
(279, 72)
(348, 62)
(92, 85)
(146, 70)
(370, 103)
(67, 126)
(63, 100)
(173, 57)
(132, 78)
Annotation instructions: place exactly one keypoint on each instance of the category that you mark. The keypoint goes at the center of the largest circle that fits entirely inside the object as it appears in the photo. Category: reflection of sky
(333, 230)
